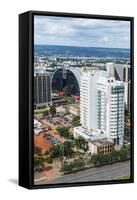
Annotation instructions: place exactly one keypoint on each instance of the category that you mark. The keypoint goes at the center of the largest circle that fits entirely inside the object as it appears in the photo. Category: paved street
(109, 172)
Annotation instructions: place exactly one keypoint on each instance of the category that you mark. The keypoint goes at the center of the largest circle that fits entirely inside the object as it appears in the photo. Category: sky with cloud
(81, 32)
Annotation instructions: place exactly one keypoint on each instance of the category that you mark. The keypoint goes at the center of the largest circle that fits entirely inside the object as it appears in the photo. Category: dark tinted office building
(66, 77)
(42, 90)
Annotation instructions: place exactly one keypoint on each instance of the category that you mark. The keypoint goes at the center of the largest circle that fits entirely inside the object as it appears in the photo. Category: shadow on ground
(14, 181)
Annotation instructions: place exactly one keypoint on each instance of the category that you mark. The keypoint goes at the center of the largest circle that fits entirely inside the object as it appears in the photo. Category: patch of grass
(68, 98)
(40, 111)
(123, 177)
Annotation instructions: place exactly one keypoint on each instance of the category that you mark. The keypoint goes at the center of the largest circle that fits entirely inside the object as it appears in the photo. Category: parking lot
(48, 136)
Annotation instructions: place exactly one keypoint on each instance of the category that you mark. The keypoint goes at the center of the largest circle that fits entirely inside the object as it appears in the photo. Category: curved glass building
(66, 77)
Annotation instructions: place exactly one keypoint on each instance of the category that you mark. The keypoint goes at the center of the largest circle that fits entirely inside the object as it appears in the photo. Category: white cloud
(81, 32)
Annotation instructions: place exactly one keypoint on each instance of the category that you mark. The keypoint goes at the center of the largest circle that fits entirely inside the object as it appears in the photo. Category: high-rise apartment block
(122, 72)
(101, 107)
(110, 105)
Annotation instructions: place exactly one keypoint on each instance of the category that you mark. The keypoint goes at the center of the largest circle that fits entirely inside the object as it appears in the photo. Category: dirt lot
(41, 142)
(50, 172)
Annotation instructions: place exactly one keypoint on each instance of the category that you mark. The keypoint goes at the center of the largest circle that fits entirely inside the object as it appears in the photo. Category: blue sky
(81, 32)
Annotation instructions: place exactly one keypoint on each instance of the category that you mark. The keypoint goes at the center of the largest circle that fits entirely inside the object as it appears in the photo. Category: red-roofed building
(61, 94)
(76, 97)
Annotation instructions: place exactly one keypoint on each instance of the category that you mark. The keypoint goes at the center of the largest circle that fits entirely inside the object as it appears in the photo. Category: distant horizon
(81, 46)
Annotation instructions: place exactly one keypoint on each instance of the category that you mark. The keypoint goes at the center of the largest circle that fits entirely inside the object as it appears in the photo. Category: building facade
(122, 72)
(66, 77)
(111, 108)
(100, 147)
(42, 90)
(88, 99)
(74, 110)
(102, 106)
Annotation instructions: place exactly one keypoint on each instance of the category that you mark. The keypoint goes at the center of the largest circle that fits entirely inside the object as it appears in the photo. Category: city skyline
(80, 46)
(82, 97)
(67, 31)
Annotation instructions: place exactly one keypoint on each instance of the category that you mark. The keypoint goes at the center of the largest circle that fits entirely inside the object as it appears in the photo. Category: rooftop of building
(101, 142)
(102, 76)
(75, 107)
(40, 71)
(90, 136)
(36, 122)
(94, 71)
(110, 80)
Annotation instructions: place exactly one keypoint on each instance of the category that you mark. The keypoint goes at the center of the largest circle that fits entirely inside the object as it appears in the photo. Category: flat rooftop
(91, 136)
(103, 142)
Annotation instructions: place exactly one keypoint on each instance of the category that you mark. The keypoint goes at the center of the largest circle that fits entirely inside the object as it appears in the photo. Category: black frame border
(30, 148)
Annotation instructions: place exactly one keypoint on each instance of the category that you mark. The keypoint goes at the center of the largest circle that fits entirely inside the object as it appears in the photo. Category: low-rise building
(60, 109)
(74, 110)
(36, 123)
(100, 147)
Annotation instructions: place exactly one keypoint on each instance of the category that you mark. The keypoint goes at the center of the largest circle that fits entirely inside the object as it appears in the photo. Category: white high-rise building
(102, 105)
(88, 99)
(121, 72)
(111, 108)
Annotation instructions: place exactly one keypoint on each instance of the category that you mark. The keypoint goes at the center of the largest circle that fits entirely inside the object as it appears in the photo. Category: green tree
(45, 113)
(114, 155)
(55, 151)
(37, 151)
(94, 160)
(67, 146)
(63, 131)
(69, 167)
(127, 116)
(124, 153)
(52, 110)
(105, 159)
(61, 150)
(76, 121)
(79, 163)
(39, 163)
(68, 89)
(100, 159)
(127, 133)
(49, 160)
(81, 143)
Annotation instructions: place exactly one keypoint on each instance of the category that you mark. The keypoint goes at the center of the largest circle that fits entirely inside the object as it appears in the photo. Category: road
(108, 172)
